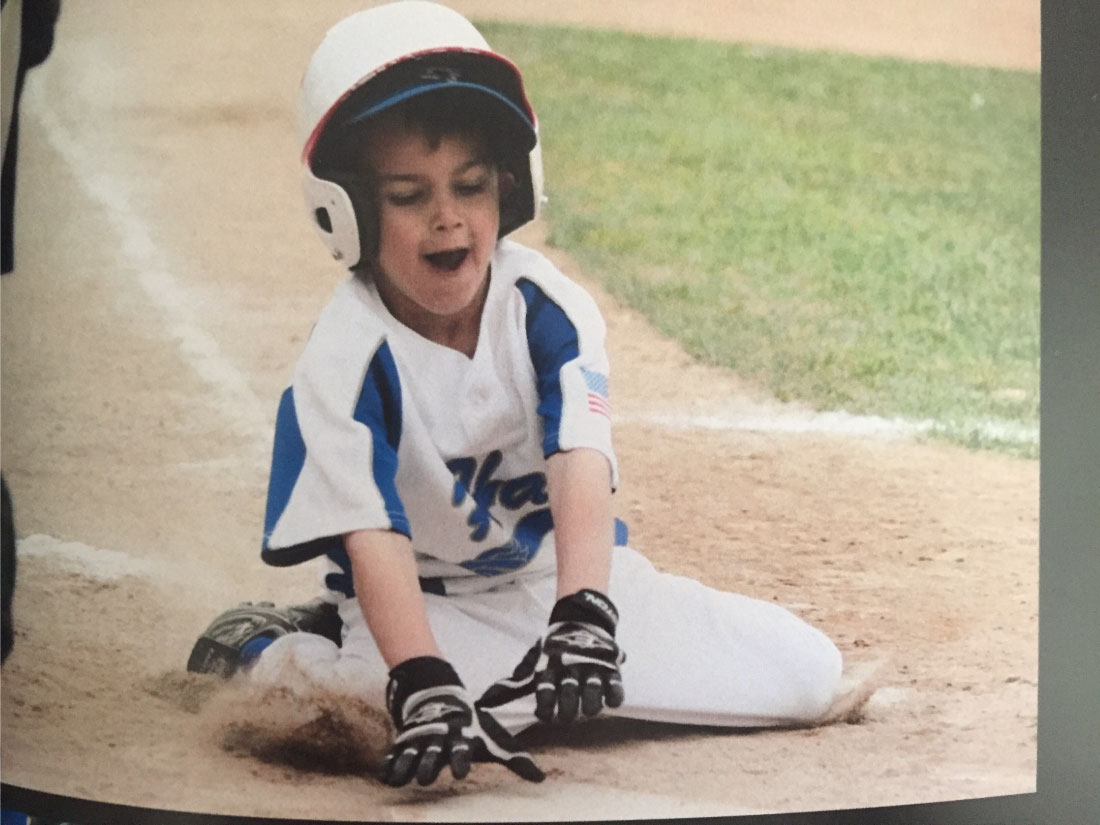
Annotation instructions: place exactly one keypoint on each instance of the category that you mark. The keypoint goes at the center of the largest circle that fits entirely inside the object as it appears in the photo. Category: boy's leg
(238, 635)
(696, 655)
(482, 635)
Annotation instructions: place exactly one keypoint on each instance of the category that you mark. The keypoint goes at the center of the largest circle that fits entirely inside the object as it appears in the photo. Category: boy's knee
(294, 661)
(818, 679)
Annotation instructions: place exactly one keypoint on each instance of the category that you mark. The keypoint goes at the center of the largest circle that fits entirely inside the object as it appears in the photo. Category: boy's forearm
(579, 483)
(388, 591)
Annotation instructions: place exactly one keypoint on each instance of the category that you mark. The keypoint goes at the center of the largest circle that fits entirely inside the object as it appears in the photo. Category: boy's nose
(447, 214)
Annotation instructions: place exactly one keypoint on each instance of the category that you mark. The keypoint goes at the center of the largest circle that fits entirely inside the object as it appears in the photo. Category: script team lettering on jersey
(512, 494)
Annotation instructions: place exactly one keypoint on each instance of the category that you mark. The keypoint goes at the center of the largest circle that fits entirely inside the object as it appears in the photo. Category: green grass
(860, 234)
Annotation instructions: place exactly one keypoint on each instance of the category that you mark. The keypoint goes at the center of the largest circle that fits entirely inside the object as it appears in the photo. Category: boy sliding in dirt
(446, 446)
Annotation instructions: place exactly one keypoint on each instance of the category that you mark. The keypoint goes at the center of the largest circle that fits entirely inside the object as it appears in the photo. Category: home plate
(859, 684)
(93, 562)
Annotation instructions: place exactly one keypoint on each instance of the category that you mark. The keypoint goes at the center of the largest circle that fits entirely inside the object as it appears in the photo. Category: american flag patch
(597, 392)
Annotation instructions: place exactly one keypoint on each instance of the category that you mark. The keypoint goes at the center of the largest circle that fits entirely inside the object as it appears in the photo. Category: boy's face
(438, 217)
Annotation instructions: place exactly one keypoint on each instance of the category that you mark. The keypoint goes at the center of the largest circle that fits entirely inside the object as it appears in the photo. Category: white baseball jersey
(384, 429)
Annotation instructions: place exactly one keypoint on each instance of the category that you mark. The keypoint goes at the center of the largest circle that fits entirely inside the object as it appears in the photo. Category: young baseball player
(445, 445)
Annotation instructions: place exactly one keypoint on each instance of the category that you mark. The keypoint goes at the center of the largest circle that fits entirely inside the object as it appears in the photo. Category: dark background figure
(7, 575)
(28, 31)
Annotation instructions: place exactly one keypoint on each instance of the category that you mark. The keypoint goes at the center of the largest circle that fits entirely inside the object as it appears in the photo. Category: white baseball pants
(694, 655)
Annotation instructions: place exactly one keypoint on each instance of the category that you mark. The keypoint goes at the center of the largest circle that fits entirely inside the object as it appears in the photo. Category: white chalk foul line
(180, 306)
(780, 420)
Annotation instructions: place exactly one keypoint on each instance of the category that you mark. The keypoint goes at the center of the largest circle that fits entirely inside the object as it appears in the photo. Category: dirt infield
(165, 283)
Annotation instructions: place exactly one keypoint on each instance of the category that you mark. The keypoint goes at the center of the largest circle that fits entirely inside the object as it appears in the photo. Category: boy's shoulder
(518, 263)
(349, 327)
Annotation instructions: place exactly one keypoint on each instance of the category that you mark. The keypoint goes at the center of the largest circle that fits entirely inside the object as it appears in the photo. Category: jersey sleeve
(565, 336)
(334, 463)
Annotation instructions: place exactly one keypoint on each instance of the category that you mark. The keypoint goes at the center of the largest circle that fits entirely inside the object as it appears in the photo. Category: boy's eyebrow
(399, 178)
(413, 177)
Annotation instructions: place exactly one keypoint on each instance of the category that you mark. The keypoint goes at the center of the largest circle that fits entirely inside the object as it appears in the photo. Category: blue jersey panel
(552, 338)
(286, 462)
(379, 408)
(622, 533)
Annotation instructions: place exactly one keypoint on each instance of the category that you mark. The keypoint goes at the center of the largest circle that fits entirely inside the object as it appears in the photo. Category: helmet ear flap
(520, 191)
(343, 216)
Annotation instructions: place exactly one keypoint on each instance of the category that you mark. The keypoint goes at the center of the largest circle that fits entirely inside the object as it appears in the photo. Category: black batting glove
(437, 726)
(573, 667)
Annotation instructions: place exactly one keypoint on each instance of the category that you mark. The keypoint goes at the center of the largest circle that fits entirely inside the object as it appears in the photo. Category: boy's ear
(506, 184)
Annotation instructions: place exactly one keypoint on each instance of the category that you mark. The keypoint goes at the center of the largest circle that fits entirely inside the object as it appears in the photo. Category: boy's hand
(575, 665)
(437, 725)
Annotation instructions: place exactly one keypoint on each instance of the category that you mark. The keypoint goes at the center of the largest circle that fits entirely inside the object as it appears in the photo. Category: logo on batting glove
(583, 639)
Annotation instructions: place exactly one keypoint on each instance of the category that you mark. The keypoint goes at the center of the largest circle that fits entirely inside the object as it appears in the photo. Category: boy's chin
(451, 302)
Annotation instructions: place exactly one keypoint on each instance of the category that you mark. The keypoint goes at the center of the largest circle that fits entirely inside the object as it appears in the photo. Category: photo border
(1069, 618)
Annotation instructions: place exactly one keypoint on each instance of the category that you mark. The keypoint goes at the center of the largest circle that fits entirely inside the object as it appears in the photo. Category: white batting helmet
(382, 56)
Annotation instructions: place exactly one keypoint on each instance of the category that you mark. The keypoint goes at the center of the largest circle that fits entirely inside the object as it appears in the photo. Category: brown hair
(341, 154)
(435, 115)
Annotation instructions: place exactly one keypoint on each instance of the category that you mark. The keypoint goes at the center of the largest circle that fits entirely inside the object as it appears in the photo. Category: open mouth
(449, 260)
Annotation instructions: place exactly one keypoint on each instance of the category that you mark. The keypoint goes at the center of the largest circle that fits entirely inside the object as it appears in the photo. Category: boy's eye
(404, 197)
(472, 187)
